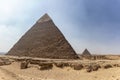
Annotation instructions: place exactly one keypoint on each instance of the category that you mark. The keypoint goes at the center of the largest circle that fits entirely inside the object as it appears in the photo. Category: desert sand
(33, 72)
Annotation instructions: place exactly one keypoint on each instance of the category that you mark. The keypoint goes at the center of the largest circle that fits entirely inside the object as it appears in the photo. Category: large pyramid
(44, 40)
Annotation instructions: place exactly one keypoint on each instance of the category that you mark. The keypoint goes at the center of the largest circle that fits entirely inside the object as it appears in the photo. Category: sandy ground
(13, 72)
(6, 75)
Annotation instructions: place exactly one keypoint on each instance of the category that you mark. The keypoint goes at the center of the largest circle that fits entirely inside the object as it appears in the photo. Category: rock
(89, 68)
(116, 65)
(66, 64)
(77, 66)
(4, 62)
(92, 67)
(107, 66)
(7, 63)
(96, 67)
(34, 62)
(24, 65)
(60, 65)
(45, 66)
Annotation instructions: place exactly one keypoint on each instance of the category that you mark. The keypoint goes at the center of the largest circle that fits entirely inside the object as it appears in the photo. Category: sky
(91, 24)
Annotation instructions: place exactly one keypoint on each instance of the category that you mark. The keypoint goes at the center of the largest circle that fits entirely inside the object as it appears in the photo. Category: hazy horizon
(90, 24)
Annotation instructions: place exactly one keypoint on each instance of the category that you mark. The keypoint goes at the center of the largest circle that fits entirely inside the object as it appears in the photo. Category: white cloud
(16, 18)
(15, 9)
(8, 36)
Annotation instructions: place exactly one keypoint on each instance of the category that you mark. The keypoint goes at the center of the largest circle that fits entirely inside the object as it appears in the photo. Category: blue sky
(92, 24)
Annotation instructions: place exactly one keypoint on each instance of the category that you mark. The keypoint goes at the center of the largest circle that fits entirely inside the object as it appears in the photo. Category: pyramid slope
(44, 40)
(86, 53)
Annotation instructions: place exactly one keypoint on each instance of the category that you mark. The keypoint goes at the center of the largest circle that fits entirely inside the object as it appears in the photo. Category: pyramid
(86, 53)
(43, 40)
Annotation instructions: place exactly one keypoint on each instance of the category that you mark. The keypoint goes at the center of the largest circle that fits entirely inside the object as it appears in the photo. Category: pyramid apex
(44, 18)
(46, 14)
(86, 49)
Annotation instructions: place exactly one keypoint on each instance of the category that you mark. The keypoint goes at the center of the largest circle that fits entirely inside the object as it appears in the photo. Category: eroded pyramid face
(43, 40)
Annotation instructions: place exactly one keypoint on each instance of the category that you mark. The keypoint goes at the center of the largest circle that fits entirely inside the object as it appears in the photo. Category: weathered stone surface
(5, 62)
(116, 65)
(89, 68)
(24, 65)
(108, 66)
(92, 67)
(1, 63)
(62, 64)
(46, 66)
(95, 67)
(77, 66)
(44, 40)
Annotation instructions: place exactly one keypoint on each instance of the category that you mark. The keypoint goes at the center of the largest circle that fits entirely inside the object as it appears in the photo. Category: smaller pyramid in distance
(86, 53)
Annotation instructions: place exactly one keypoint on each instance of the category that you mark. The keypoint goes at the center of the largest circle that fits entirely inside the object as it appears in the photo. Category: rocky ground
(47, 69)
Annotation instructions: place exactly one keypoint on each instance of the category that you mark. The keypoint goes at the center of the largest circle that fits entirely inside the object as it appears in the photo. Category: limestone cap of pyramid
(44, 18)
